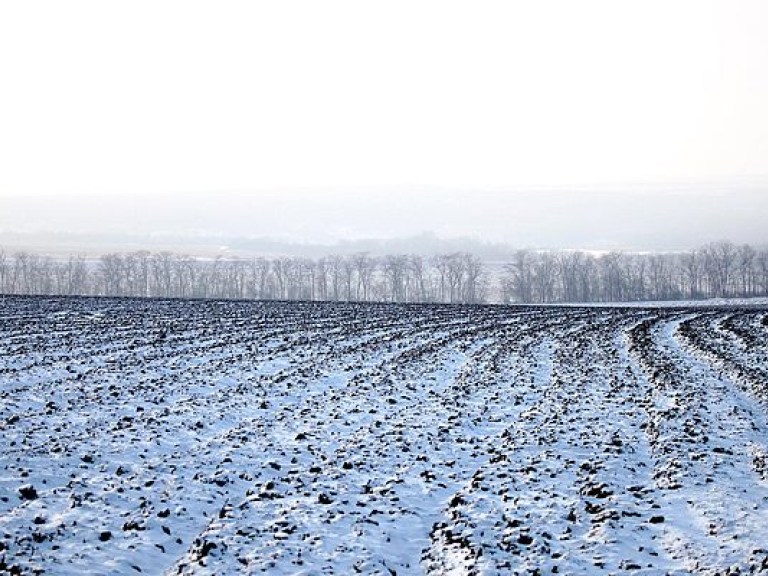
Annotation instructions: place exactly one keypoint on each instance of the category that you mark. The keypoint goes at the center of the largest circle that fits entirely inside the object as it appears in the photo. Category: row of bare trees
(720, 269)
(458, 277)
(28, 273)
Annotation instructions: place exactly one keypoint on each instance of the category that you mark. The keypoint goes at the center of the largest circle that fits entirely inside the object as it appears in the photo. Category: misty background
(670, 218)
(407, 127)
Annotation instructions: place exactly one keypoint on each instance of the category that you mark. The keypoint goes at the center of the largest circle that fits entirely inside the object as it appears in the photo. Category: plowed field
(193, 437)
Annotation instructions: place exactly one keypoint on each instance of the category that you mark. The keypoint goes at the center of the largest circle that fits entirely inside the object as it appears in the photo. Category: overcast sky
(339, 99)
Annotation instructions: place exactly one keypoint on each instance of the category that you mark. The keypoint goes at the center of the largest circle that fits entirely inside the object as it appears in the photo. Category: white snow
(238, 437)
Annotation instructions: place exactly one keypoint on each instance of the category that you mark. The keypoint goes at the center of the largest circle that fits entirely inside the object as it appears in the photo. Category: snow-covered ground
(183, 437)
(756, 302)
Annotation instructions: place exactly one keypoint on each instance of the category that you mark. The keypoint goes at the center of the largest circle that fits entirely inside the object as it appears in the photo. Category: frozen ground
(222, 438)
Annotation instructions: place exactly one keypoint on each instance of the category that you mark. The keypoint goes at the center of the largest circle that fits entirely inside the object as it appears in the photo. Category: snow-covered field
(187, 437)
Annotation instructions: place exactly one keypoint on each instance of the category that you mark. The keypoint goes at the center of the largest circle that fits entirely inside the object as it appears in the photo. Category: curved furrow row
(568, 488)
(708, 441)
(737, 342)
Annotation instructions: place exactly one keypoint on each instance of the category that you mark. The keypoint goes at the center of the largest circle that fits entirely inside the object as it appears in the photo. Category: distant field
(200, 437)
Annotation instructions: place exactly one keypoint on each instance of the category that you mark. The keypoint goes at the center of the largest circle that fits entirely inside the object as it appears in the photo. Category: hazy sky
(415, 96)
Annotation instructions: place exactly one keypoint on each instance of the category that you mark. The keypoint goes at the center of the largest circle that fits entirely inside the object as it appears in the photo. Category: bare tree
(162, 274)
(520, 276)
(718, 264)
(418, 281)
(691, 264)
(761, 272)
(635, 272)
(321, 279)
(474, 289)
(259, 278)
(19, 273)
(394, 268)
(544, 275)
(347, 276)
(3, 273)
(111, 275)
(658, 273)
(587, 279)
(307, 277)
(745, 260)
(281, 269)
(365, 267)
(441, 263)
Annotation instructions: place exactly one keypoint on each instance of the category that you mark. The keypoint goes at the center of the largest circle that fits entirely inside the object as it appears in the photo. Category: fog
(647, 218)
(186, 125)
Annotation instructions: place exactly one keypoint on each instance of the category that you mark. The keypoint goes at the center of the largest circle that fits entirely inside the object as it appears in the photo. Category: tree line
(454, 278)
(720, 269)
